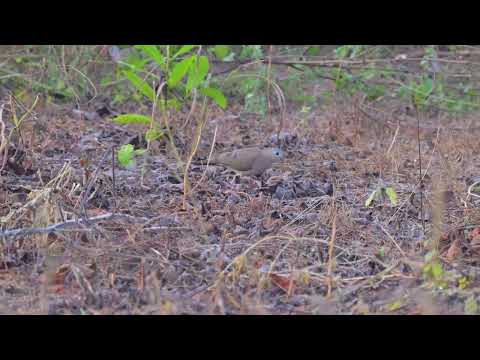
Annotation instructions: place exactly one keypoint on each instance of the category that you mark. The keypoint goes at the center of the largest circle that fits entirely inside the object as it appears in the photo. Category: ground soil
(297, 240)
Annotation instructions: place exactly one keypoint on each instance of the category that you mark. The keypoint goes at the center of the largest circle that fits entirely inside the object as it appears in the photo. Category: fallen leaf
(474, 238)
(286, 283)
(454, 251)
(475, 233)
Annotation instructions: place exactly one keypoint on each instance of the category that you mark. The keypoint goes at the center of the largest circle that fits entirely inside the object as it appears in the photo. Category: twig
(198, 136)
(63, 225)
(208, 159)
(392, 239)
(92, 181)
(114, 193)
(425, 174)
(331, 260)
(420, 167)
(469, 192)
(3, 140)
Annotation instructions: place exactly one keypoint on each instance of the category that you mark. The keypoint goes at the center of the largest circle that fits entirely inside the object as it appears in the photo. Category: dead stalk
(208, 159)
(198, 136)
(331, 260)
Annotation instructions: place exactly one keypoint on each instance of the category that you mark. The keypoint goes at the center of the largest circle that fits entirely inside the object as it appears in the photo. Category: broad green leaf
(153, 52)
(135, 62)
(203, 67)
(180, 70)
(216, 95)
(125, 155)
(437, 269)
(427, 269)
(140, 84)
(221, 51)
(183, 50)
(126, 119)
(370, 199)
(392, 195)
(197, 73)
(192, 78)
(427, 86)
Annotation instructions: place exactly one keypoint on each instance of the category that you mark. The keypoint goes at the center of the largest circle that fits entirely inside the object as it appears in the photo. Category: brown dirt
(241, 245)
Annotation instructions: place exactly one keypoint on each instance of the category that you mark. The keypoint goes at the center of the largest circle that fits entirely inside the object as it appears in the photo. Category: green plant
(178, 71)
(126, 155)
(471, 306)
(433, 271)
(60, 72)
(429, 87)
(250, 86)
(349, 51)
(381, 192)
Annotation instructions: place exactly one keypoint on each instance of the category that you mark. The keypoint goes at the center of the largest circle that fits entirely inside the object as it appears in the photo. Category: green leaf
(203, 67)
(437, 269)
(221, 51)
(180, 70)
(153, 134)
(216, 95)
(184, 49)
(342, 51)
(370, 199)
(127, 119)
(198, 72)
(381, 252)
(396, 305)
(140, 84)
(368, 74)
(427, 86)
(192, 78)
(471, 306)
(374, 92)
(230, 57)
(153, 52)
(135, 62)
(125, 155)
(313, 51)
(392, 195)
(463, 282)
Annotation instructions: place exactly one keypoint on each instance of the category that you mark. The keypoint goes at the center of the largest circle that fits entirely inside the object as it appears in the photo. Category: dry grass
(298, 242)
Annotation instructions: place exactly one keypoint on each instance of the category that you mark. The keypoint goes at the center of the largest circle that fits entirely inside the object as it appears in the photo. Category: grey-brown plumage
(249, 161)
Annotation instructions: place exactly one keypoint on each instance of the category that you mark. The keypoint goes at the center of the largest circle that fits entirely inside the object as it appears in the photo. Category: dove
(249, 161)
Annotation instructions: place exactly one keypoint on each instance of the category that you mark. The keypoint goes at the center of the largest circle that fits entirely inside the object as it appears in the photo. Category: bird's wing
(241, 159)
